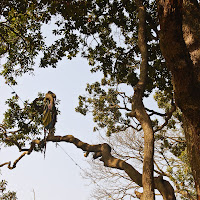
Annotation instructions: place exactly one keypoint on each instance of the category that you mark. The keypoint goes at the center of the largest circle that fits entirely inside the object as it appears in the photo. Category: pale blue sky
(56, 177)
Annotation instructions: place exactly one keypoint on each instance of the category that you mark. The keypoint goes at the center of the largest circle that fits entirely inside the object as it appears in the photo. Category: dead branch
(15, 162)
(26, 151)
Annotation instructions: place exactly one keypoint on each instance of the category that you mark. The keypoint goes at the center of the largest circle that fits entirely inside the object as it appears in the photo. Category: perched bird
(49, 113)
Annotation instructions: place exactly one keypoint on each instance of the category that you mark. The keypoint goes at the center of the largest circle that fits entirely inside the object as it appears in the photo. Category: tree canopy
(144, 47)
(6, 195)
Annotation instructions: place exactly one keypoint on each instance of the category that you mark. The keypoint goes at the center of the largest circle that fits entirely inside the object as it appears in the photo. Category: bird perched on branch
(49, 113)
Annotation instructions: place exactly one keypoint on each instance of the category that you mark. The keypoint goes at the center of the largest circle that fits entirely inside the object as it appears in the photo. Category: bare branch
(169, 115)
(155, 113)
(174, 139)
(26, 151)
(15, 162)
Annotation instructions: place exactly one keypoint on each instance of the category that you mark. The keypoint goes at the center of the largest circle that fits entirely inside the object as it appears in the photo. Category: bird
(49, 113)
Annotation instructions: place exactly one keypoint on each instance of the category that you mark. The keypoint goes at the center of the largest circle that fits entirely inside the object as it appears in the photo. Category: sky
(57, 176)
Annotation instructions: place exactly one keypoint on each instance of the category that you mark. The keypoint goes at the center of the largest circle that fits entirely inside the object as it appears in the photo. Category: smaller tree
(170, 160)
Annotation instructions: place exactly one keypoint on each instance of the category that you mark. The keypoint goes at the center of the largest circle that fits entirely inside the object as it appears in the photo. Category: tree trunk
(192, 131)
(138, 110)
(180, 46)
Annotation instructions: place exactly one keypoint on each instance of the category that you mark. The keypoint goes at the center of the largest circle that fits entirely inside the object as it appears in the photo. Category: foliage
(103, 32)
(6, 195)
(20, 37)
(23, 124)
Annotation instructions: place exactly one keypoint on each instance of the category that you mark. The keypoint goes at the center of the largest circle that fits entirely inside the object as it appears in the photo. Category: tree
(149, 46)
(169, 158)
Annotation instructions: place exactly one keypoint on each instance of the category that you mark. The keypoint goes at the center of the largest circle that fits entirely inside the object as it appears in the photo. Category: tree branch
(169, 115)
(138, 110)
(155, 113)
(26, 151)
(15, 162)
(102, 151)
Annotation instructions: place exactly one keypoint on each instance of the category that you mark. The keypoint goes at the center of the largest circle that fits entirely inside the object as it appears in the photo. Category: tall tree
(183, 62)
(149, 46)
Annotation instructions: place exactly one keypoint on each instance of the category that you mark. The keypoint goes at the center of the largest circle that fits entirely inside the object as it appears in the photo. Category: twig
(169, 115)
(155, 113)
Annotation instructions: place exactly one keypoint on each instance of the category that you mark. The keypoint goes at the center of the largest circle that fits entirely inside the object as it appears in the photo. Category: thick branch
(103, 151)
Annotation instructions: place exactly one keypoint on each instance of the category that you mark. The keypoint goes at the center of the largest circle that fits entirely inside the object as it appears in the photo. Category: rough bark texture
(139, 112)
(179, 40)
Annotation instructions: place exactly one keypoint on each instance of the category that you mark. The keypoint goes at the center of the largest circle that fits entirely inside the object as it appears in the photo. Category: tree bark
(179, 41)
(138, 109)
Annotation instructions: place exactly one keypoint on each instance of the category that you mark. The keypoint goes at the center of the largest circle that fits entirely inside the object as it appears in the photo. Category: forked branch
(25, 151)
(103, 151)
(168, 117)
(15, 162)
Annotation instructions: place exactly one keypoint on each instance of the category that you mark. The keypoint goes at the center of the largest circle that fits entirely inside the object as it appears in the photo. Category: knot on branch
(33, 143)
(131, 114)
